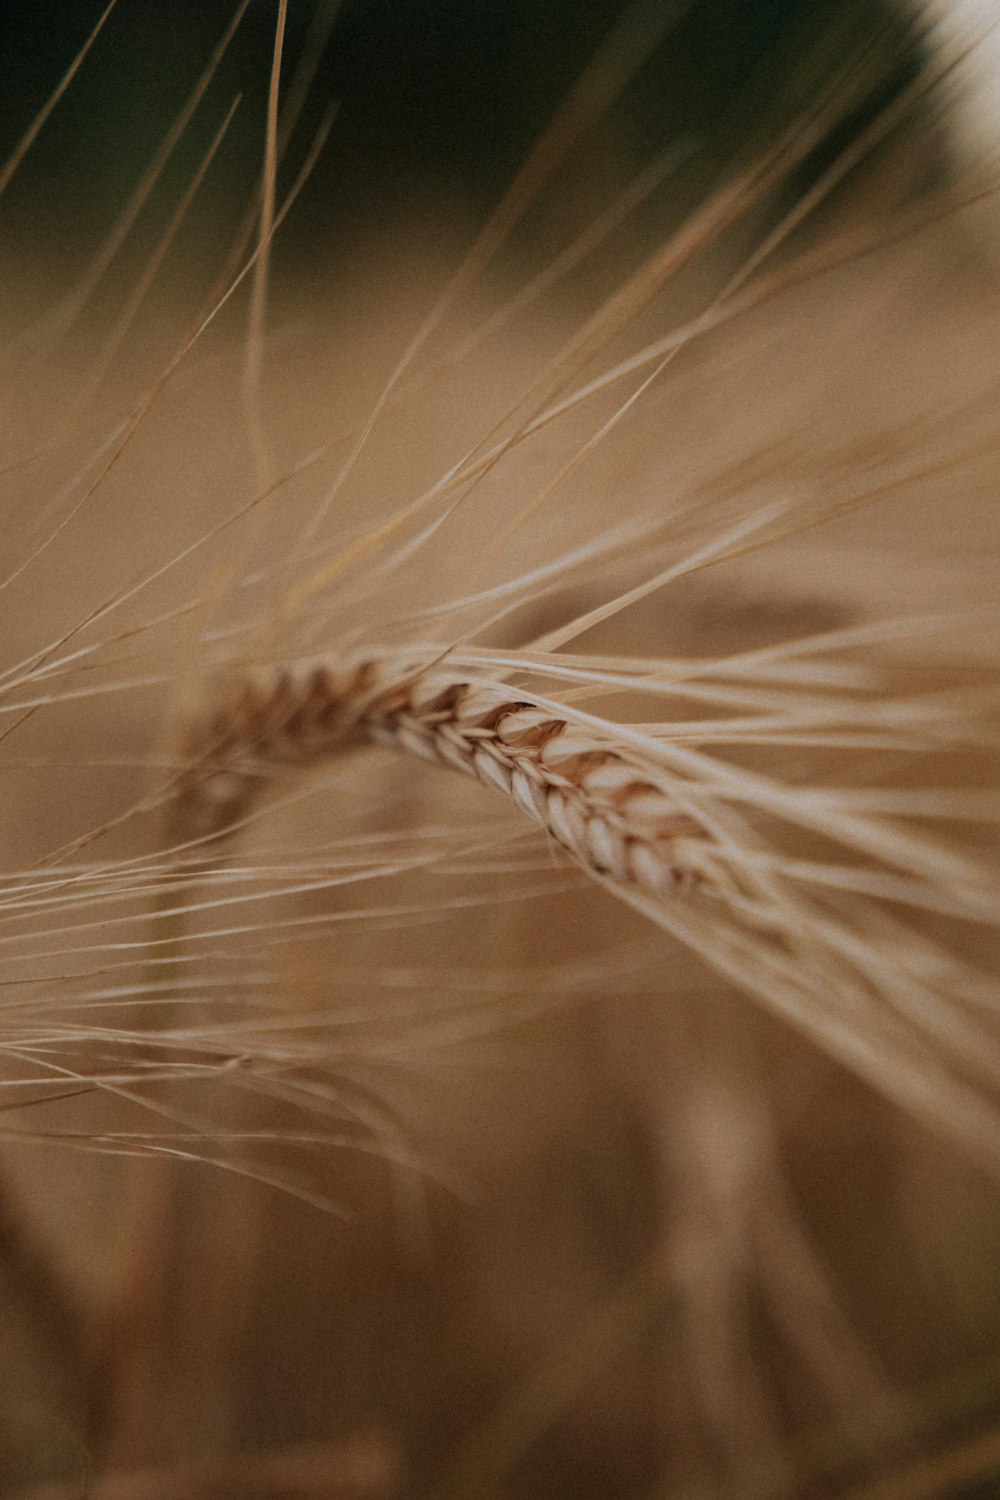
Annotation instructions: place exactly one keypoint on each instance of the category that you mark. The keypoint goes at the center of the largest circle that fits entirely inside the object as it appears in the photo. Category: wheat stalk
(609, 809)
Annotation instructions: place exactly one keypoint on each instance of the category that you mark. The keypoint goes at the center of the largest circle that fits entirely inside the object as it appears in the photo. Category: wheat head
(608, 809)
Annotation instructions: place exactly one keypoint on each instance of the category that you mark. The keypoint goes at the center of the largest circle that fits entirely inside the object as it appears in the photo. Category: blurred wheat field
(381, 1150)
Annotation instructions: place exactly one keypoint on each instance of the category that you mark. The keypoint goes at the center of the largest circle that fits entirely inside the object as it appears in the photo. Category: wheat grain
(607, 808)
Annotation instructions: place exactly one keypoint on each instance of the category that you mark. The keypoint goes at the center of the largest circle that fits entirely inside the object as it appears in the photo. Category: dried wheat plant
(620, 1117)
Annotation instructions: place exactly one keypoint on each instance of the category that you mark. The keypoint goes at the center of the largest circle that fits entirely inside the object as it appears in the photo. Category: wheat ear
(605, 807)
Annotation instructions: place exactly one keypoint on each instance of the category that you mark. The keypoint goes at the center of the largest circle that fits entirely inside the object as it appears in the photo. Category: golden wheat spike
(607, 808)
